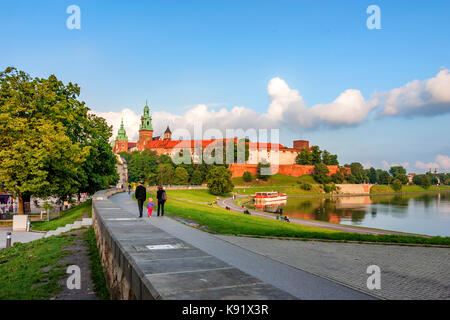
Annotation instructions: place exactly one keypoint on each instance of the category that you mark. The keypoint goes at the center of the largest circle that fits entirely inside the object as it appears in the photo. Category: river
(426, 213)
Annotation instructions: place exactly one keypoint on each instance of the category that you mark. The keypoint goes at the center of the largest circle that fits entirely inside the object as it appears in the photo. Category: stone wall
(118, 270)
(293, 170)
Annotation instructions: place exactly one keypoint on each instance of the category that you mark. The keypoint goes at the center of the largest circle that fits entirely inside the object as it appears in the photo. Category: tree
(338, 177)
(41, 136)
(372, 175)
(181, 176)
(165, 174)
(99, 169)
(321, 173)
(304, 157)
(403, 178)
(263, 170)
(316, 155)
(396, 170)
(326, 157)
(334, 160)
(422, 180)
(197, 178)
(384, 177)
(397, 185)
(219, 181)
(358, 174)
(247, 176)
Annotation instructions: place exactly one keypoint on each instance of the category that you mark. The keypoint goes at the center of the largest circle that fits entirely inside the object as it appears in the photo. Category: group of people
(141, 196)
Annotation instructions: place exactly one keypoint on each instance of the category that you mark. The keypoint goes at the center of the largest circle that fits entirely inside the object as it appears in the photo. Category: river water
(426, 213)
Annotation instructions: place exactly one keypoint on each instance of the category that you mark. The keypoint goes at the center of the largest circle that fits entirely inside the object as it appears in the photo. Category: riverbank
(201, 214)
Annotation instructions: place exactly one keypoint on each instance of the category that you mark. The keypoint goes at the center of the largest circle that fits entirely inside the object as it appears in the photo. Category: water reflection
(420, 213)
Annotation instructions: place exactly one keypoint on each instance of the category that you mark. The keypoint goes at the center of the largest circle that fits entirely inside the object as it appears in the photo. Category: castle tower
(145, 129)
(168, 134)
(121, 142)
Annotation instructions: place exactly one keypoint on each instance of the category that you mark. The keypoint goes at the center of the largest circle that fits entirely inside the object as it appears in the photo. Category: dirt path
(80, 258)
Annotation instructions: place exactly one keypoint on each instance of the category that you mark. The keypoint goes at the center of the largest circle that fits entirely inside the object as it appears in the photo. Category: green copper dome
(146, 119)
(121, 135)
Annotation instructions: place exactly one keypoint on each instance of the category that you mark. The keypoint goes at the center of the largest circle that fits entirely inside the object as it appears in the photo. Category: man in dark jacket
(141, 195)
(162, 197)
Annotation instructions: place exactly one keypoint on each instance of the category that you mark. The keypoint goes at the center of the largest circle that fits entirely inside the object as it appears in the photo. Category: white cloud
(287, 109)
(441, 162)
(429, 97)
(386, 165)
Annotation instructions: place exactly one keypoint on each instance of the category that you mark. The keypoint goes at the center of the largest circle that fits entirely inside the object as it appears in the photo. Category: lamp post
(8, 239)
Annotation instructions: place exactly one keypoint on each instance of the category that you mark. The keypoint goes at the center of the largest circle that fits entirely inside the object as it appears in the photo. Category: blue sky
(181, 54)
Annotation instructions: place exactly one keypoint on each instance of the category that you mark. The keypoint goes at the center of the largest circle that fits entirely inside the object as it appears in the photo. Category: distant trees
(314, 156)
(321, 173)
(422, 180)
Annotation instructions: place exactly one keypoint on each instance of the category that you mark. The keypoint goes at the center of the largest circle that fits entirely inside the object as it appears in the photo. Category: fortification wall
(293, 170)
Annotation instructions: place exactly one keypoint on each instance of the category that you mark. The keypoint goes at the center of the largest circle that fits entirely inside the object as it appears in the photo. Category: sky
(312, 69)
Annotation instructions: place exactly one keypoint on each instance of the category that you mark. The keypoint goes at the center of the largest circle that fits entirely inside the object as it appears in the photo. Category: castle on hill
(274, 153)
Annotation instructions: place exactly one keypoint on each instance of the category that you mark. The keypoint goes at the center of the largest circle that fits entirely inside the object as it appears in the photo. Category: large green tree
(41, 151)
(219, 181)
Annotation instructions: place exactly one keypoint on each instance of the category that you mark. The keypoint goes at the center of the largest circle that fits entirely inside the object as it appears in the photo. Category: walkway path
(229, 202)
(298, 283)
(18, 236)
(406, 272)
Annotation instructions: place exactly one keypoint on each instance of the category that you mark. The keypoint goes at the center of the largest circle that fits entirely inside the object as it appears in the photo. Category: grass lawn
(275, 180)
(413, 188)
(228, 222)
(22, 273)
(290, 191)
(83, 210)
(199, 195)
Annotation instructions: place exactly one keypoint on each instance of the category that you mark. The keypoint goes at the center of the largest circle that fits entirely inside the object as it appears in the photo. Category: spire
(146, 119)
(121, 134)
(168, 130)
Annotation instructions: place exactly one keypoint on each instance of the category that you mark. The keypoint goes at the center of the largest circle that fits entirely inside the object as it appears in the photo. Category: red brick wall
(293, 170)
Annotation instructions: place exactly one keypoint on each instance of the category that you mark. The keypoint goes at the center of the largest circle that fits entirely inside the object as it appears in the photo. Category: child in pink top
(150, 205)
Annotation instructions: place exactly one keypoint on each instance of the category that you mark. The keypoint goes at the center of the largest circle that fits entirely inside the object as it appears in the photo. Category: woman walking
(162, 197)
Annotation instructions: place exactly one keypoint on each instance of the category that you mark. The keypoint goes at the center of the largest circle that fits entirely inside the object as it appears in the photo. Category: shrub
(247, 176)
(306, 186)
(397, 185)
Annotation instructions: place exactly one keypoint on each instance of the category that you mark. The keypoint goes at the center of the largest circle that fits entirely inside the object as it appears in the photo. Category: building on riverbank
(282, 158)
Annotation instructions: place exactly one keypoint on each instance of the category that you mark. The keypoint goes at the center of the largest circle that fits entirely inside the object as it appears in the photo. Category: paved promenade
(229, 202)
(406, 272)
(293, 281)
(18, 236)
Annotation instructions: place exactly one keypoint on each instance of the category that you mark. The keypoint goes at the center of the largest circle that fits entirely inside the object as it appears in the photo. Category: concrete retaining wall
(137, 267)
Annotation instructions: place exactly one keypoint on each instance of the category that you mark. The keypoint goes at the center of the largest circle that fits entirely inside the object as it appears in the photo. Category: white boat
(270, 197)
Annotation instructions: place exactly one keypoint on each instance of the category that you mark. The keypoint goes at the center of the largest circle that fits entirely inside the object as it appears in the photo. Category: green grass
(276, 180)
(409, 188)
(21, 274)
(227, 222)
(97, 274)
(290, 191)
(199, 195)
(69, 216)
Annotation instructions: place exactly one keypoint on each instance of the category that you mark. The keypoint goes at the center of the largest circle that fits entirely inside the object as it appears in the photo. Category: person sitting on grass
(150, 205)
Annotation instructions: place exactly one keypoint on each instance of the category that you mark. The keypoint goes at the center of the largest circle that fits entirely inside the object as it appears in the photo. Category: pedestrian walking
(162, 198)
(129, 188)
(141, 195)
(150, 205)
